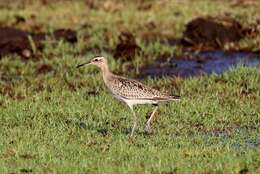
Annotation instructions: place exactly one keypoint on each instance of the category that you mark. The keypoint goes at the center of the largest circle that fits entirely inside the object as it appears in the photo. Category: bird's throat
(105, 72)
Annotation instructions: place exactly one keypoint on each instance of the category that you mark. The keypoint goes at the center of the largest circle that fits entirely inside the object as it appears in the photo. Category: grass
(100, 26)
(215, 128)
(64, 121)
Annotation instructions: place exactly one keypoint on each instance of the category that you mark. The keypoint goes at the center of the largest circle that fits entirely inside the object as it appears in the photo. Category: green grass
(65, 121)
(100, 26)
(213, 129)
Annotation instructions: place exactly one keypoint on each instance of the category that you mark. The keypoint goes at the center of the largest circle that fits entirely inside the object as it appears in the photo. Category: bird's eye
(95, 60)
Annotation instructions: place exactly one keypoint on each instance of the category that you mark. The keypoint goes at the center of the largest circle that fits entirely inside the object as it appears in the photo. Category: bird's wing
(132, 89)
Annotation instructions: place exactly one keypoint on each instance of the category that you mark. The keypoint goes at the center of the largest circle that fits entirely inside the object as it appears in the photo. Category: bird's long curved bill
(80, 65)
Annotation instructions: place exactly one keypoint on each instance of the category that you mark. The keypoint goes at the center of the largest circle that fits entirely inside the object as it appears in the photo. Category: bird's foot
(148, 128)
(132, 134)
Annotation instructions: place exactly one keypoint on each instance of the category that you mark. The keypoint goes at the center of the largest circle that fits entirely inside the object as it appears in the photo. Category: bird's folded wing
(131, 89)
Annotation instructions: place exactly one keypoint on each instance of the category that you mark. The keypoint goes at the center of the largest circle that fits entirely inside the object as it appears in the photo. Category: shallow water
(238, 138)
(200, 64)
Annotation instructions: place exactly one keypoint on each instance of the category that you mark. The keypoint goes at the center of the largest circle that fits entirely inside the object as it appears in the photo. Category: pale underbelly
(135, 101)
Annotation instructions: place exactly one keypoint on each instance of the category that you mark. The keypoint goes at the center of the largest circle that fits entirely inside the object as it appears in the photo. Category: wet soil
(205, 33)
(20, 42)
(212, 32)
(127, 47)
(243, 131)
(207, 62)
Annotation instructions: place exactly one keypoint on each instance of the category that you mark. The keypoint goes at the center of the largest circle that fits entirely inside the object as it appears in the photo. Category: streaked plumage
(130, 91)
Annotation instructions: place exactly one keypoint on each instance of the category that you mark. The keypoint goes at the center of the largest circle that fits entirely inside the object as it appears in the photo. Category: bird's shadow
(114, 131)
(105, 131)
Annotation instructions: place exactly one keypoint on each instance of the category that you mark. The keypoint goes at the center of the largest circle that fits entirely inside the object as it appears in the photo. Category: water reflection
(200, 64)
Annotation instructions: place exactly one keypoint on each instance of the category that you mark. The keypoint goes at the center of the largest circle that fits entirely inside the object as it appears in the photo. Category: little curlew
(130, 91)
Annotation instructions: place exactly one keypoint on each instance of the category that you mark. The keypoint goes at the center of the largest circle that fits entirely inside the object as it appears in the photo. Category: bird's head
(98, 61)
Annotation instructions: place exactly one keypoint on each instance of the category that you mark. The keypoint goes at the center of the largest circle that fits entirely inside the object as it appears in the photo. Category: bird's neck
(106, 72)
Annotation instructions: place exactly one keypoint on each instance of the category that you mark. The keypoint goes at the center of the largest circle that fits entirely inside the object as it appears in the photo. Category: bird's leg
(148, 123)
(135, 121)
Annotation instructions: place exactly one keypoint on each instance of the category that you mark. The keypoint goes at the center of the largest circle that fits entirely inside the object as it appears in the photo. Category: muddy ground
(218, 34)
(16, 41)
(201, 34)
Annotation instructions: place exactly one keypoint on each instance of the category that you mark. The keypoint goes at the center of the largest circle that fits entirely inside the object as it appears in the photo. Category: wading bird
(130, 91)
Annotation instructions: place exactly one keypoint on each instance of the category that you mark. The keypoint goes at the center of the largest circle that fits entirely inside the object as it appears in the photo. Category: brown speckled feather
(132, 89)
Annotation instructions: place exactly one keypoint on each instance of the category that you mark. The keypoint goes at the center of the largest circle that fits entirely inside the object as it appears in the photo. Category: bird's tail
(175, 97)
(170, 98)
